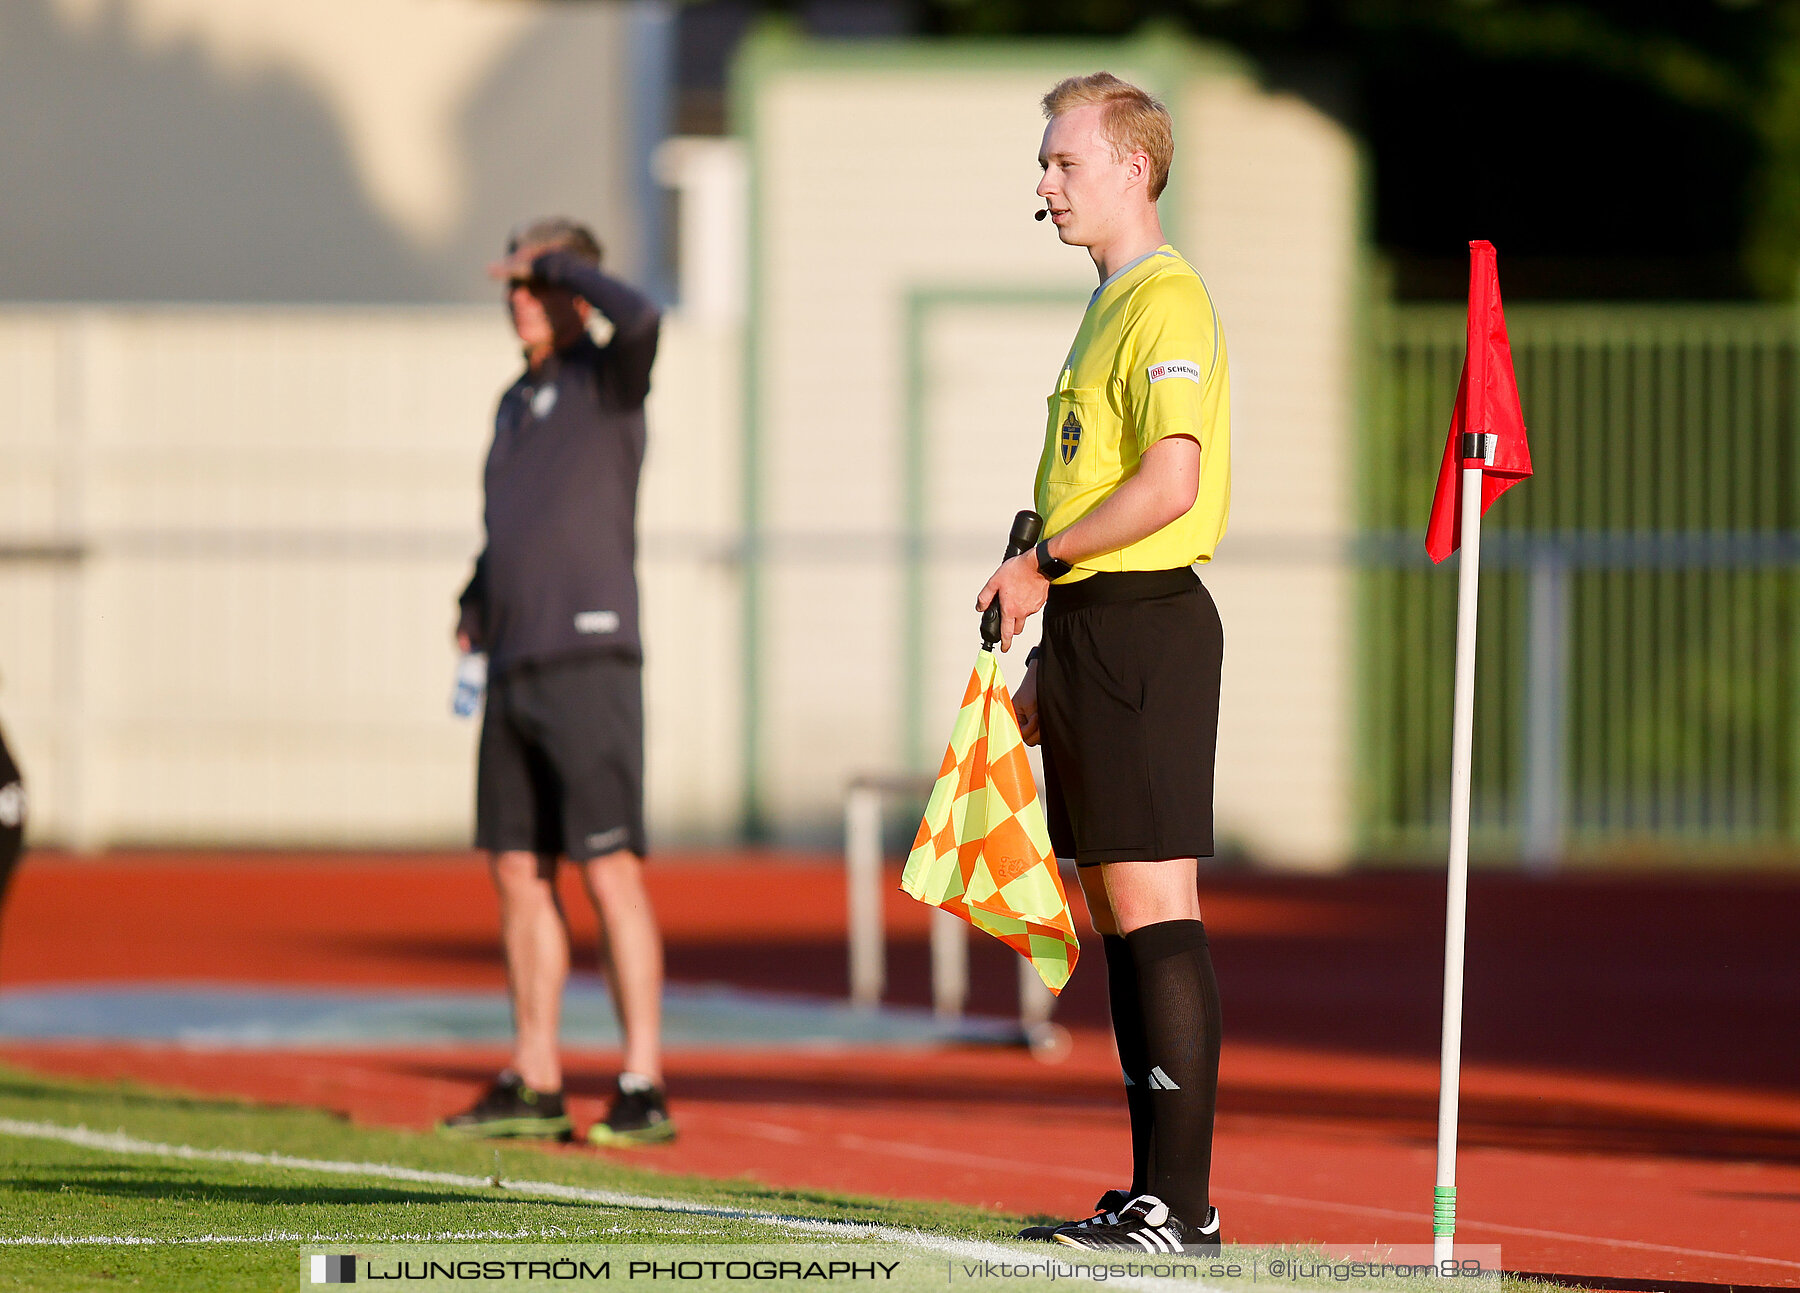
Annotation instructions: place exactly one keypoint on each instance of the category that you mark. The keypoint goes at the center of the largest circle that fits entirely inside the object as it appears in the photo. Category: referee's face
(1085, 186)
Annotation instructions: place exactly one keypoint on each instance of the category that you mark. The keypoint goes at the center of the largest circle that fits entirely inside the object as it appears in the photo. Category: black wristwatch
(1048, 566)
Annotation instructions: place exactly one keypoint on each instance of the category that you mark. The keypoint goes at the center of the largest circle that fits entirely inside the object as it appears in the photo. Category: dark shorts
(1128, 700)
(561, 769)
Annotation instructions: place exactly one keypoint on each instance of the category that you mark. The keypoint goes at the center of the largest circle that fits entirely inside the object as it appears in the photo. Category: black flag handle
(1026, 528)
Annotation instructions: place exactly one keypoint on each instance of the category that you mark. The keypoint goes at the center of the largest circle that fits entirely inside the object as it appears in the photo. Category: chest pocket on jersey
(1074, 436)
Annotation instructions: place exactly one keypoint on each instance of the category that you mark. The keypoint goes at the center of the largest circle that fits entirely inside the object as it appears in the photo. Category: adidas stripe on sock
(1178, 1002)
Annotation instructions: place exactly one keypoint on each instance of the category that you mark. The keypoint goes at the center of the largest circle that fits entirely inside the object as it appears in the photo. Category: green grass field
(231, 1225)
(114, 1186)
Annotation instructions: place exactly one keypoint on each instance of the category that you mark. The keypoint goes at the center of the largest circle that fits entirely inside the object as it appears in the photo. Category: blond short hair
(1134, 120)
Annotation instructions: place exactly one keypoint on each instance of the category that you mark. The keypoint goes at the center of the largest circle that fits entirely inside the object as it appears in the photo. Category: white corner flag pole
(1443, 1210)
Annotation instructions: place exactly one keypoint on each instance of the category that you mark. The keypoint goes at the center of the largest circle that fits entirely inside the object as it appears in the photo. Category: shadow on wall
(133, 174)
(152, 173)
(548, 131)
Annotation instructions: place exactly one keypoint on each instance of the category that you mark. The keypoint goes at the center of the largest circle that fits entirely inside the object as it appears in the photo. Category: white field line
(941, 1245)
(294, 1237)
(118, 1142)
(775, 1131)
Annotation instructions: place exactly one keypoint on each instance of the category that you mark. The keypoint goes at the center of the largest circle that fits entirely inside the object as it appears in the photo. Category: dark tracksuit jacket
(557, 577)
(12, 815)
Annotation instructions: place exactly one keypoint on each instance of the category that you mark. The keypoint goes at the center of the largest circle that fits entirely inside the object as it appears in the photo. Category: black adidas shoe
(510, 1108)
(1106, 1211)
(639, 1115)
(1145, 1225)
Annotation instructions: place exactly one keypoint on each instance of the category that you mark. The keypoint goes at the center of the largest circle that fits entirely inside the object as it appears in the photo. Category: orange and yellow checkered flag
(983, 851)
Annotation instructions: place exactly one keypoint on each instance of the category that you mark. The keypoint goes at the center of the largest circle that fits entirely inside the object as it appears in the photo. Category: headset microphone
(1041, 213)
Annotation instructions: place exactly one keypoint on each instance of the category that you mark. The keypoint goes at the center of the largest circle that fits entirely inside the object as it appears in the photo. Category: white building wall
(234, 556)
(311, 150)
(233, 536)
(1273, 214)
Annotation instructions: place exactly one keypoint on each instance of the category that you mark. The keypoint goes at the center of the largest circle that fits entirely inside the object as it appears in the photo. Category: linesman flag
(1487, 405)
(983, 850)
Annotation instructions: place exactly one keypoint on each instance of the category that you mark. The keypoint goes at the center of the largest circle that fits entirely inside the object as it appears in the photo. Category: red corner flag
(1487, 404)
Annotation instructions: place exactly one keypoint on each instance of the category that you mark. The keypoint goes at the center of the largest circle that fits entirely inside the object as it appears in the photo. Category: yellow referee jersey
(1148, 362)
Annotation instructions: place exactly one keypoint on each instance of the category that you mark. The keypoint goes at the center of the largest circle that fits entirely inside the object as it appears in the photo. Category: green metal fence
(1636, 684)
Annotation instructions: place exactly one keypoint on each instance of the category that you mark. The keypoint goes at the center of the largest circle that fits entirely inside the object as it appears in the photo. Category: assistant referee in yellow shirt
(1123, 694)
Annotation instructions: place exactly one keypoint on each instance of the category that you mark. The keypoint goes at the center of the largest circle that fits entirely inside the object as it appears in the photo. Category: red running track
(1631, 1098)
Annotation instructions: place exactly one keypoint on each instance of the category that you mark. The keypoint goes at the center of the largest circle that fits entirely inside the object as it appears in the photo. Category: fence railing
(1640, 606)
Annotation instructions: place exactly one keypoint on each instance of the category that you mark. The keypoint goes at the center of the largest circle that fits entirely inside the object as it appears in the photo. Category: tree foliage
(1642, 130)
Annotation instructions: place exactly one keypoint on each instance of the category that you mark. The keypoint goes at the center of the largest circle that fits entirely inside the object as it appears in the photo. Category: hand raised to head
(516, 264)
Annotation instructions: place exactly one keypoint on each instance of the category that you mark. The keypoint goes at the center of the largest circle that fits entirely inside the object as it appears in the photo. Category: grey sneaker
(639, 1115)
(510, 1108)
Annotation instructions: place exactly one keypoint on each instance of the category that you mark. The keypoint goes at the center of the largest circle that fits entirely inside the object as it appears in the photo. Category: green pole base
(1443, 1210)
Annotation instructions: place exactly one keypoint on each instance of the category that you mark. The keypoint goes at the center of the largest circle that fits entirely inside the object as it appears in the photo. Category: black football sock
(1179, 1004)
(1128, 1032)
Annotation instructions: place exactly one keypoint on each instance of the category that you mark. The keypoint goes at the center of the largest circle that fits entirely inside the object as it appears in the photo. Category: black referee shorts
(1128, 702)
(561, 768)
